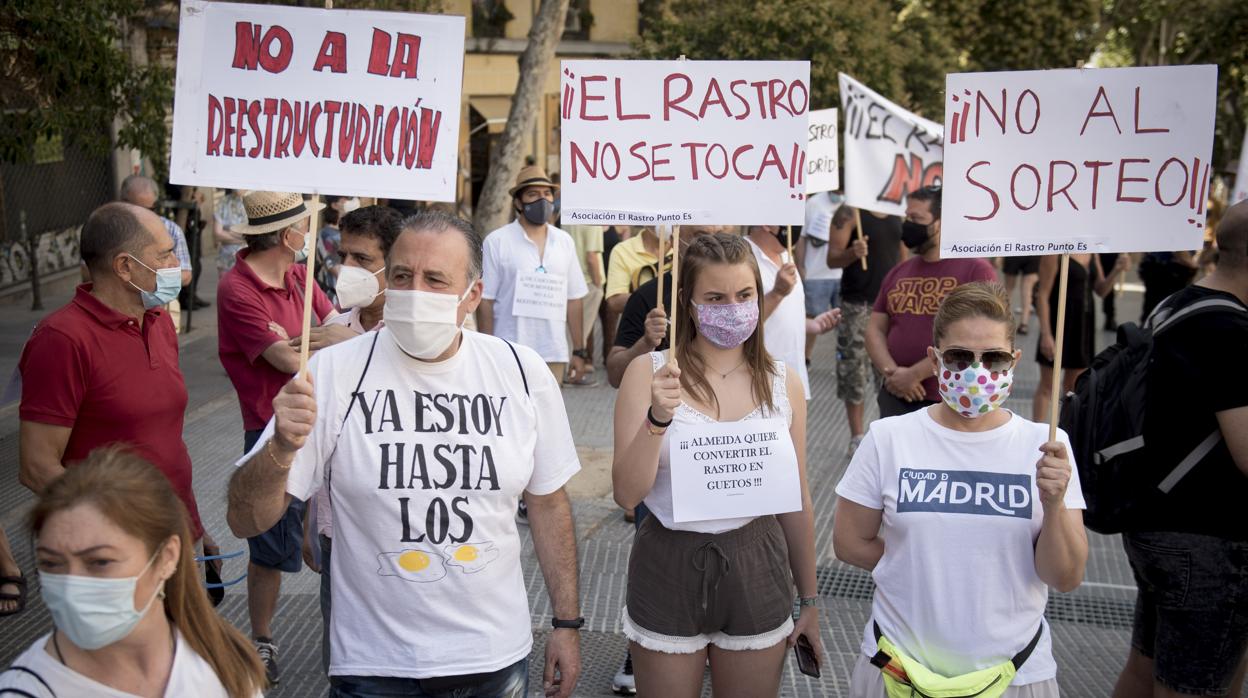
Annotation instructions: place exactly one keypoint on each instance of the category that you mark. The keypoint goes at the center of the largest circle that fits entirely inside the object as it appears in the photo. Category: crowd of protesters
(401, 464)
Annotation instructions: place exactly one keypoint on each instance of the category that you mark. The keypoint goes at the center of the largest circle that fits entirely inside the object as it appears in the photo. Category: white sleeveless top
(659, 500)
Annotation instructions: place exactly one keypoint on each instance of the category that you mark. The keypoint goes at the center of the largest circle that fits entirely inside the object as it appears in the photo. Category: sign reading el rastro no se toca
(727, 470)
(312, 100)
(1069, 161)
(684, 142)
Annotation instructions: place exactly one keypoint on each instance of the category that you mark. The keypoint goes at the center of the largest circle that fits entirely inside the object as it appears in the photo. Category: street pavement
(1091, 626)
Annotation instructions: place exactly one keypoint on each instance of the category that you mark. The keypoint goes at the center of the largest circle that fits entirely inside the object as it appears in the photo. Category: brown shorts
(687, 590)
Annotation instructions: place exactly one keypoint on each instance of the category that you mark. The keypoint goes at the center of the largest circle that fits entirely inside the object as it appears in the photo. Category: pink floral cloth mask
(972, 390)
(727, 325)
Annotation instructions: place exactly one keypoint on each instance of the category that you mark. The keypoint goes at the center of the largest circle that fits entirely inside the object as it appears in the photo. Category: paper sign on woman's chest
(733, 469)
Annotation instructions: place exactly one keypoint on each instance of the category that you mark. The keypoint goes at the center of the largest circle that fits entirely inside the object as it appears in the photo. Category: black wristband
(574, 624)
(655, 422)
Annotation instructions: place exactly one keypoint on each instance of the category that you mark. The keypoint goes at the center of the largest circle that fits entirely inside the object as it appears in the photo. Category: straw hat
(532, 176)
(268, 211)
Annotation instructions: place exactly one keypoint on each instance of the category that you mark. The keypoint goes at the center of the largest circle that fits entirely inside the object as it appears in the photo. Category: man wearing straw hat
(259, 308)
(529, 257)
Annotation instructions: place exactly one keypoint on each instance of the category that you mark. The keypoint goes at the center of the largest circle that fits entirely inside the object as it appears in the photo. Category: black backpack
(1104, 418)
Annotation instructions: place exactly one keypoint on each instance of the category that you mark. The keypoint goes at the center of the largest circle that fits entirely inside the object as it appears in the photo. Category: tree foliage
(860, 37)
(1032, 35)
(1174, 32)
(67, 72)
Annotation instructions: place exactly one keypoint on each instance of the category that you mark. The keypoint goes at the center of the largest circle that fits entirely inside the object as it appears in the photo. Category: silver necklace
(724, 375)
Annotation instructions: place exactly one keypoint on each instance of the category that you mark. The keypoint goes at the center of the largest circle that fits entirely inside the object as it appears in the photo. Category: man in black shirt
(643, 327)
(1190, 553)
(880, 243)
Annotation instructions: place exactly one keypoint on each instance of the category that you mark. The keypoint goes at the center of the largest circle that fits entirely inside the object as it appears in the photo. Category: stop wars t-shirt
(957, 587)
(910, 295)
(424, 479)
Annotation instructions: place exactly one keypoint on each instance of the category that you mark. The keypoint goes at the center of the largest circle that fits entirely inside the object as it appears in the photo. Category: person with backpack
(1186, 533)
(965, 514)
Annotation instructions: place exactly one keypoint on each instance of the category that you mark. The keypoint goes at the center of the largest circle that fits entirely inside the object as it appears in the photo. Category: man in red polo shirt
(104, 369)
(259, 308)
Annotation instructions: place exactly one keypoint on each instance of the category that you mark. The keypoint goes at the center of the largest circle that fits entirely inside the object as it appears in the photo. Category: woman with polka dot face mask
(965, 514)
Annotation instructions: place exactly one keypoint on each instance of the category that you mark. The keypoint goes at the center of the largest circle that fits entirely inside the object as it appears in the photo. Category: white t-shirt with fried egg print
(957, 587)
(424, 479)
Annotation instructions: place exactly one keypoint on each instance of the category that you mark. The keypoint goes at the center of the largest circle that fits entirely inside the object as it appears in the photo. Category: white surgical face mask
(94, 612)
(422, 323)
(349, 205)
(356, 286)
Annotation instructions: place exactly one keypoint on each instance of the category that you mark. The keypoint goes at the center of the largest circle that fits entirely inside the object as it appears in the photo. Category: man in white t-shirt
(426, 436)
(786, 326)
(533, 282)
(822, 284)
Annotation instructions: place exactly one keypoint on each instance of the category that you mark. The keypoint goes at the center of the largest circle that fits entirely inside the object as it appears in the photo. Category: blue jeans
(822, 295)
(509, 682)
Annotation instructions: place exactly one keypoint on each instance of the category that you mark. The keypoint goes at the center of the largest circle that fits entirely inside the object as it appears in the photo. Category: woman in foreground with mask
(117, 573)
(962, 528)
(719, 588)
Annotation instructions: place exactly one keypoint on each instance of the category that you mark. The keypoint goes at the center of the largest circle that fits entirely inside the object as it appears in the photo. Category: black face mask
(538, 212)
(913, 235)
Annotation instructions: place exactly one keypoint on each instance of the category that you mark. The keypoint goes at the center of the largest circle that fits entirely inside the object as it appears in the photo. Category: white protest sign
(541, 295)
(684, 142)
(1058, 161)
(728, 470)
(317, 101)
(1240, 192)
(889, 152)
(823, 171)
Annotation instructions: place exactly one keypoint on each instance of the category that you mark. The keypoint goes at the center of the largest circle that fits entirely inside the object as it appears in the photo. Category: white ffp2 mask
(356, 287)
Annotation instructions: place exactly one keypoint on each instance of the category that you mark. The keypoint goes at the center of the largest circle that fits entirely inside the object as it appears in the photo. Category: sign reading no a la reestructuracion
(317, 101)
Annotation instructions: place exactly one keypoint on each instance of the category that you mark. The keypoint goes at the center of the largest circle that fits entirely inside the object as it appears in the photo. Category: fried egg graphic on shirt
(472, 556)
(413, 565)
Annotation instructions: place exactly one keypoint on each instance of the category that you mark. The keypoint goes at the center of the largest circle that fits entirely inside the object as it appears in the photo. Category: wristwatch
(574, 624)
(581, 354)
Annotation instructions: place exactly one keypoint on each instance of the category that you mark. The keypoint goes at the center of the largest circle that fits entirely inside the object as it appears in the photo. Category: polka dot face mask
(974, 388)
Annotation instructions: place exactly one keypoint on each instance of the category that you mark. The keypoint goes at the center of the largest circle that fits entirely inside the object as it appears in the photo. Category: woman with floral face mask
(118, 576)
(965, 514)
(720, 589)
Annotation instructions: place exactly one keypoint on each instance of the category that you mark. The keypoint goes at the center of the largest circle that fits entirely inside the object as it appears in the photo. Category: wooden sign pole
(675, 289)
(659, 231)
(789, 233)
(858, 227)
(309, 282)
(1055, 390)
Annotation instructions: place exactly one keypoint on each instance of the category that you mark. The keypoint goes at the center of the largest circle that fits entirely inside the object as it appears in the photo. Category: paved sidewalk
(1090, 626)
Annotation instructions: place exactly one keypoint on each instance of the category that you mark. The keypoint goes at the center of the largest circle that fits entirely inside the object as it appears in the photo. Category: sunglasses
(993, 359)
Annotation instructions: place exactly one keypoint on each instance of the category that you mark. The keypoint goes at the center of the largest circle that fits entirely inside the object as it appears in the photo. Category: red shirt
(92, 369)
(910, 295)
(245, 306)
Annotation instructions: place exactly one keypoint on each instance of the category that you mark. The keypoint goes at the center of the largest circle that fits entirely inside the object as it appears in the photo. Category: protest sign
(728, 470)
(684, 142)
(1069, 161)
(889, 152)
(1240, 192)
(309, 100)
(823, 162)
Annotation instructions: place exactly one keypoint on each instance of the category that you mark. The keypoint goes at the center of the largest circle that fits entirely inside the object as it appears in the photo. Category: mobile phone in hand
(807, 662)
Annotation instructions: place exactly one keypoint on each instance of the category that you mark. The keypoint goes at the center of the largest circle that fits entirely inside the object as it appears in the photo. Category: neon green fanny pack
(907, 678)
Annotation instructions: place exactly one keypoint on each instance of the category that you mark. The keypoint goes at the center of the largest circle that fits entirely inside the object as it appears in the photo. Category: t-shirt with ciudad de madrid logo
(957, 587)
(424, 479)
